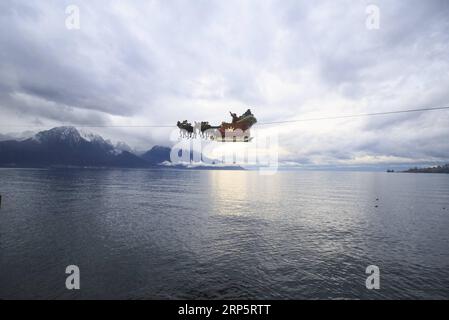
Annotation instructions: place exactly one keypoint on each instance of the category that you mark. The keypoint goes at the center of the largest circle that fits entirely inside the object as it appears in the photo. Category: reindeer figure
(185, 129)
(197, 131)
(205, 128)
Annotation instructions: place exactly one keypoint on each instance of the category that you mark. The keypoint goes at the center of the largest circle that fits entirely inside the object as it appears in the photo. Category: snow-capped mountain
(90, 136)
(122, 146)
(60, 134)
(67, 146)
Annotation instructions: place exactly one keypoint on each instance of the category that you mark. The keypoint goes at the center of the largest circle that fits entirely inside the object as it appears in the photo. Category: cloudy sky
(155, 62)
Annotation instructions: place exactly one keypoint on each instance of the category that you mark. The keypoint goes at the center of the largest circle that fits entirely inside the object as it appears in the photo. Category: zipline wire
(262, 123)
(355, 115)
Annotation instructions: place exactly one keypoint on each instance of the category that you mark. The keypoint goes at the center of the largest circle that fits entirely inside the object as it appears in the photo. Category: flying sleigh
(236, 131)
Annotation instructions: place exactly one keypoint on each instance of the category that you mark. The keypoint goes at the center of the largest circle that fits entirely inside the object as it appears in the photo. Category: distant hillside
(66, 146)
(438, 169)
(157, 155)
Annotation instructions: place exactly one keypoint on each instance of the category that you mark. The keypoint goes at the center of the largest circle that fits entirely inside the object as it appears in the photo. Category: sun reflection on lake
(233, 191)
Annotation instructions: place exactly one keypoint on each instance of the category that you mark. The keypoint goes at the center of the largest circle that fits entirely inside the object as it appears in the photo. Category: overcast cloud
(156, 62)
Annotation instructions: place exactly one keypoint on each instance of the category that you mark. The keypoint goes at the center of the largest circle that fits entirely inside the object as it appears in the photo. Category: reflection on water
(223, 234)
(233, 193)
(228, 192)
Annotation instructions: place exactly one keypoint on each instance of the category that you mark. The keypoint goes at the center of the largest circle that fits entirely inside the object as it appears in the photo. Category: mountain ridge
(67, 146)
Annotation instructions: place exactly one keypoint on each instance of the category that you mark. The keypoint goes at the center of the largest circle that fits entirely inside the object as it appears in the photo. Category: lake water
(173, 234)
